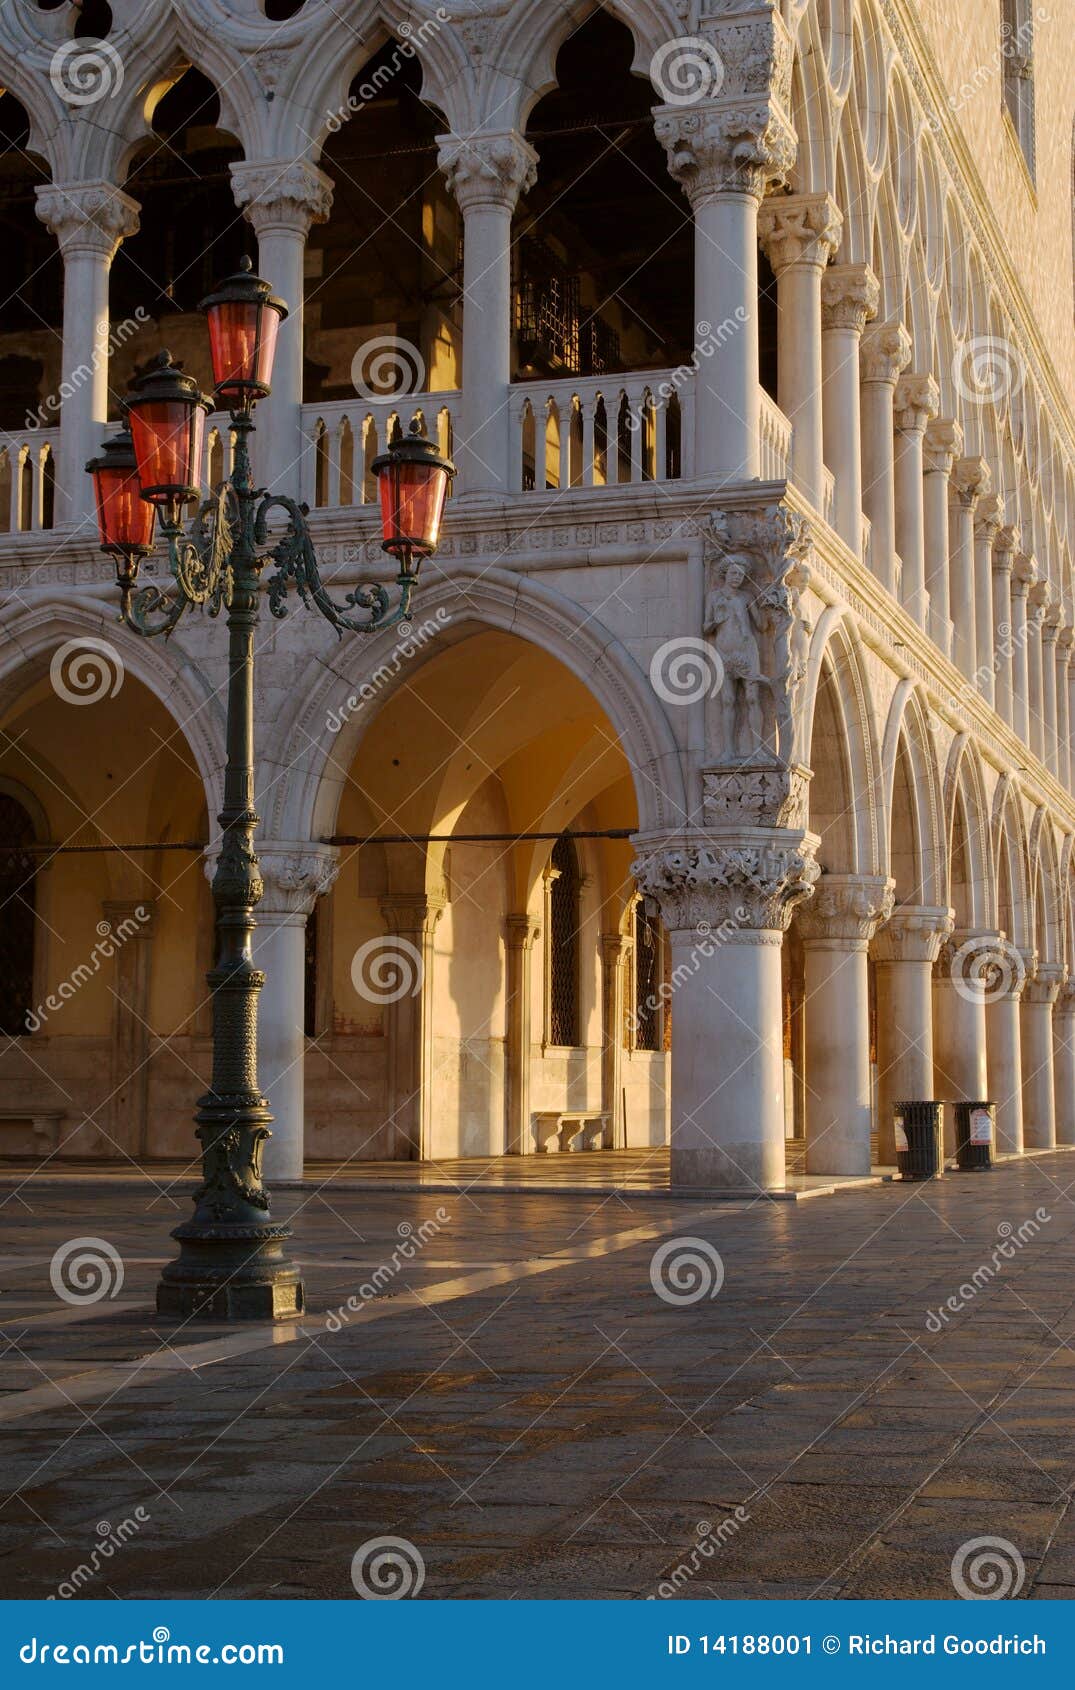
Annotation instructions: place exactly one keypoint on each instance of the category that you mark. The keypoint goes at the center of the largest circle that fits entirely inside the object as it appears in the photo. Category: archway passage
(476, 950)
(107, 933)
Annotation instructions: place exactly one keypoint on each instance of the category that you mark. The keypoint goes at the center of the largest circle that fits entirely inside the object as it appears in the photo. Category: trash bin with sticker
(917, 1131)
(975, 1131)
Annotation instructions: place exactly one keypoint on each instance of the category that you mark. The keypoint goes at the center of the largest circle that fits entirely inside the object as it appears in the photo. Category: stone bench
(44, 1123)
(570, 1129)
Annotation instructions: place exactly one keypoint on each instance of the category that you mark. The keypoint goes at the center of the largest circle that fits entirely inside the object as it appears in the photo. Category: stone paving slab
(537, 1412)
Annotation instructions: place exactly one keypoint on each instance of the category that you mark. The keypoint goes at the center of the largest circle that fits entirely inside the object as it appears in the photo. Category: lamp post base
(231, 1272)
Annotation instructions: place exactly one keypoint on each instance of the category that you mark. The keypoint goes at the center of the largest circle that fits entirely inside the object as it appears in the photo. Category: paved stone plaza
(522, 1406)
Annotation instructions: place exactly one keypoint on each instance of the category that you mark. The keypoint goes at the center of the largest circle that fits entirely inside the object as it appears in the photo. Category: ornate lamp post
(232, 1263)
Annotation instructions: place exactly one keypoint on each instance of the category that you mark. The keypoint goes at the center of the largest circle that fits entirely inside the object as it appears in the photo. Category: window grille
(18, 868)
(563, 945)
(649, 974)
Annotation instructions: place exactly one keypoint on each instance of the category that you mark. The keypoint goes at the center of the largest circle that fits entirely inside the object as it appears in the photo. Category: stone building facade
(721, 792)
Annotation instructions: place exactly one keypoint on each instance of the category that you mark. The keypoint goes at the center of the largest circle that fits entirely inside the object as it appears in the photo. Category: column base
(749, 1167)
(231, 1273)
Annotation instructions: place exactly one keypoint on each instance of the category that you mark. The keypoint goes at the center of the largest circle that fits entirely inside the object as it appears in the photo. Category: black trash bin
(975, 1133)
(918, 1140)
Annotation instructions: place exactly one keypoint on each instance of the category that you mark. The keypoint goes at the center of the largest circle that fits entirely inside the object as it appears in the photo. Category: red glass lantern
(244, 318)
(167, 415)
(124, 519)
(413, 480)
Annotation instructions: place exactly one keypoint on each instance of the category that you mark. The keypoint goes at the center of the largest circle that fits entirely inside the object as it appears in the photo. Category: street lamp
(232, 1263)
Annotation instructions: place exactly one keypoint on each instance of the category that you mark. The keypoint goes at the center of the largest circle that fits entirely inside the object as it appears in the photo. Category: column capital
(886, 352)
(412, 912)
(1040, 597)
(943, 443)
(1005, 546)
(1065, 997)
(614, 947)
(281, 193)
(989, 520)
(87, 217)
(295, 874)
(850, 295)
(487, 169)
(1065, 645)
(1024, 574)
(982, 965)
(742, 889)
(913, 933)
(915, 403)
(970, 478)
(799, 229)
(521, 931)
(845, 911)
(1044, 984)
(725, 149)
(1053, 623)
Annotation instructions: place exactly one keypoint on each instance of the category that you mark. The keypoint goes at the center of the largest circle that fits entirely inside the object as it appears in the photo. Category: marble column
(410, 921)
(1039, 1095)
(988, 520)
(520, 935)
(295, 875)
(959, 998)
(1064, 1062)
(915, 404)
(128, 930)
(487, 173)
(615, 955)
(1024, 575)
(1005, 546)
(941, 447)
(904, 951)
(727, 1051)
(281, 199)
(849, 296)
(885, 354)
(1039, 600)
(970, 479)
(1005, 1055)
(89, 219)
(1064, 767)
(1050, 635)
(836, 926)
(725, 153)
(800, 233)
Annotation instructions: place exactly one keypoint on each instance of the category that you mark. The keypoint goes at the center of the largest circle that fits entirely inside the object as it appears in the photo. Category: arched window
(1017, 51)
(18, 868)
(562, 944)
